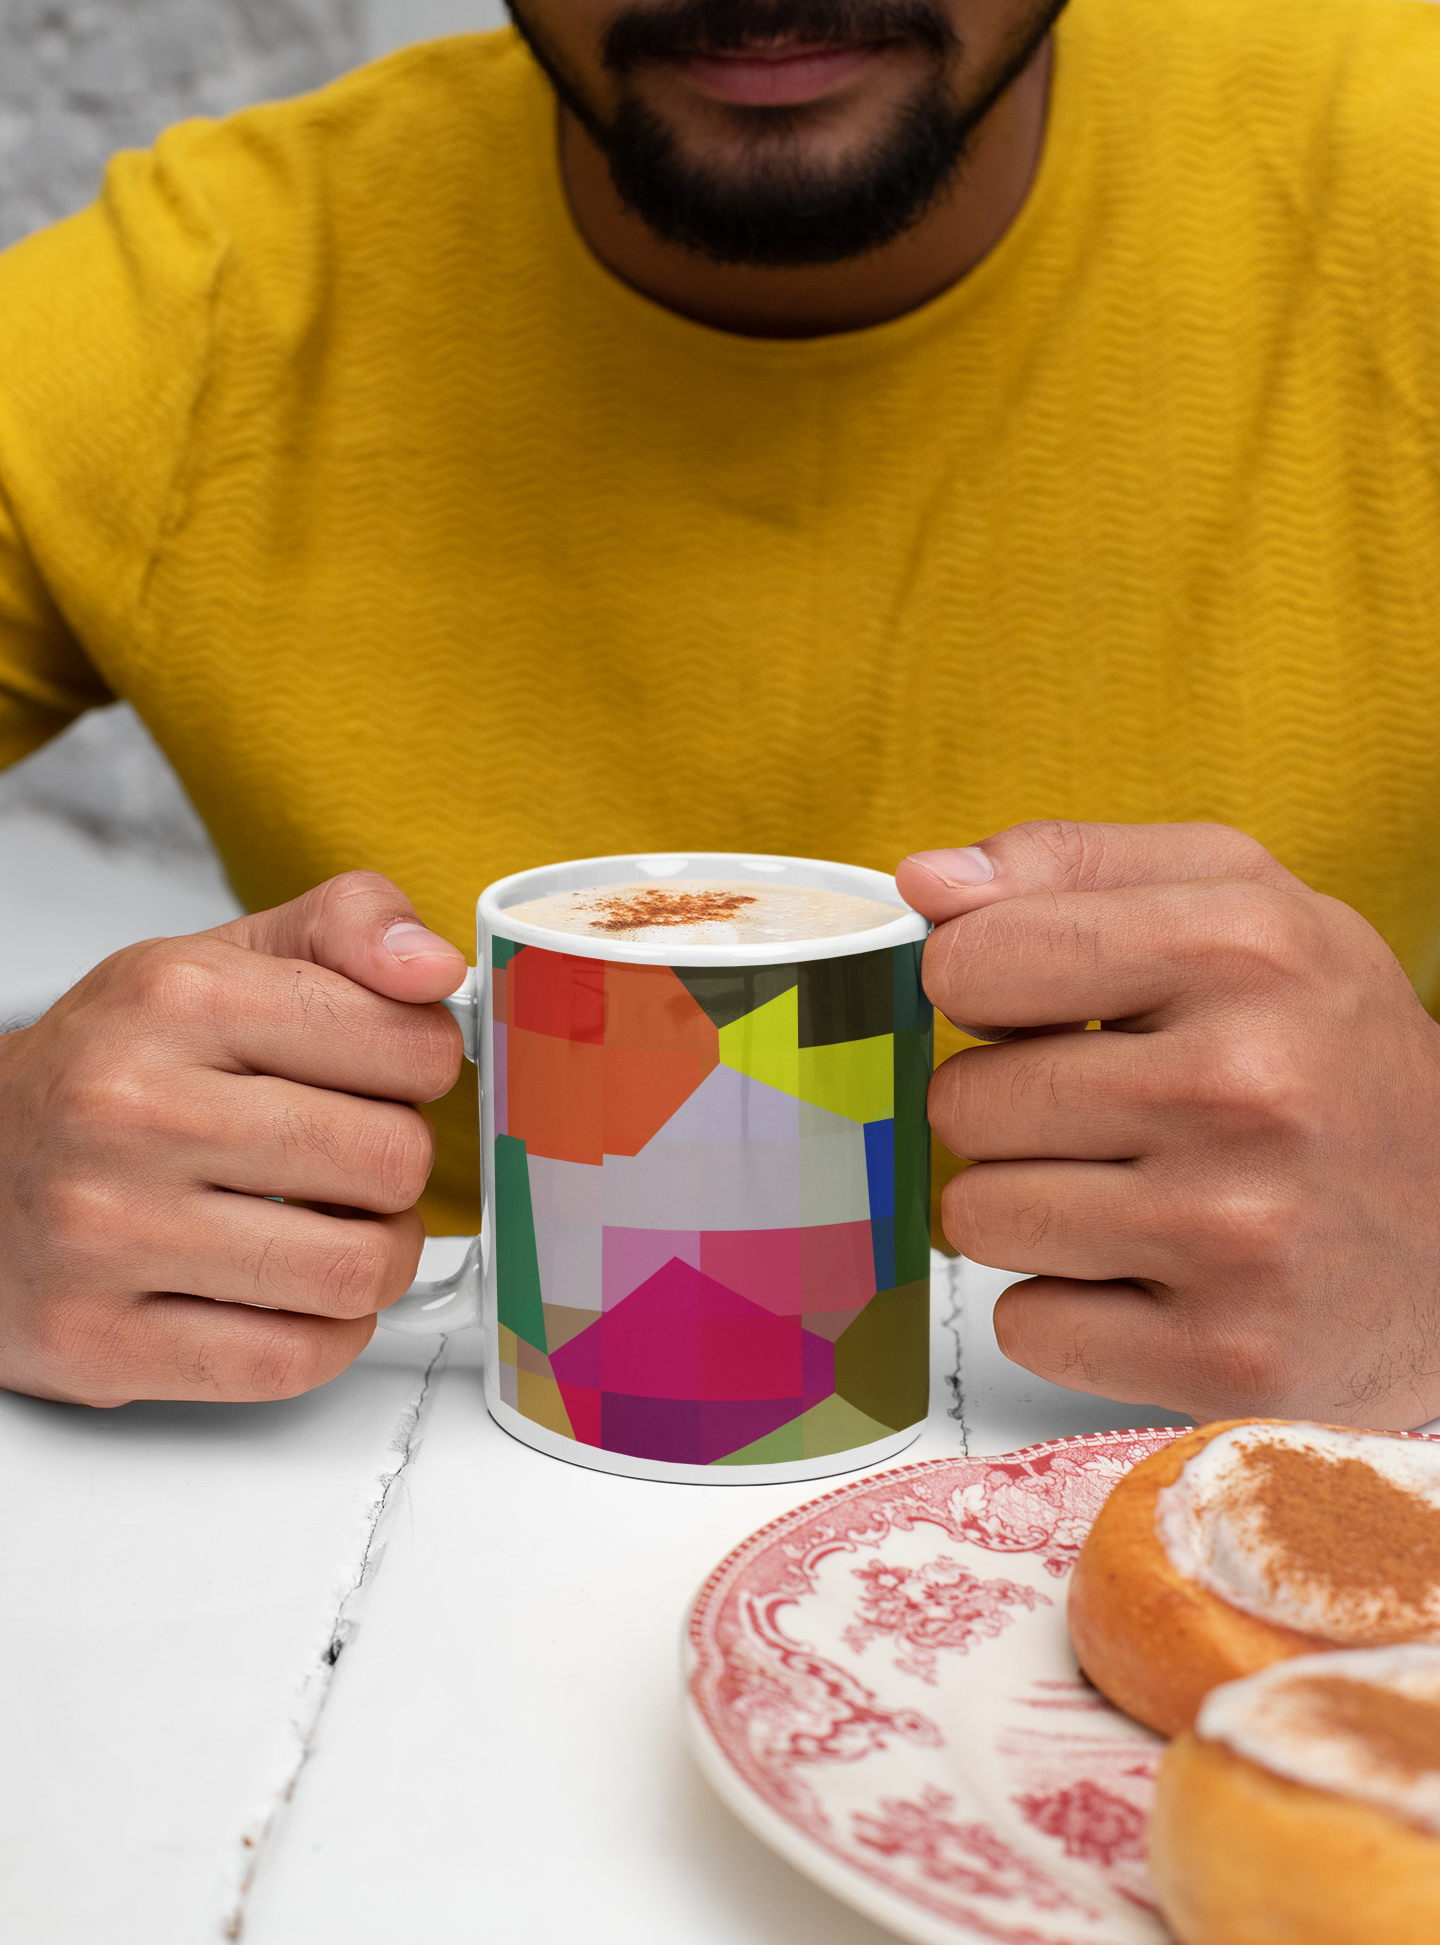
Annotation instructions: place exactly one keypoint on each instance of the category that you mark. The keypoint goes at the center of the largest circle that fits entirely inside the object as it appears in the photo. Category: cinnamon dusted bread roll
(1305, 1807)
(1247, 1543)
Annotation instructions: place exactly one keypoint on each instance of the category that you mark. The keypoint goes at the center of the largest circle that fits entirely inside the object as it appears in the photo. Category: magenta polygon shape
(683, 1431)
(684, 1341)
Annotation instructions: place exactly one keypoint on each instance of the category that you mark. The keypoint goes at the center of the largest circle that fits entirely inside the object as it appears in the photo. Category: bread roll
(1305, 1807)
(1247, 1543)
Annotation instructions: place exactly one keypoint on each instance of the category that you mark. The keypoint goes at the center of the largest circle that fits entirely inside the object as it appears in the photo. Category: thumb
(362, 926)
(1055, 854)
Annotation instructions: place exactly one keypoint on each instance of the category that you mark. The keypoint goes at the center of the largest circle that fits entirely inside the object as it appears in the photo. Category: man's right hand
(145, 1119)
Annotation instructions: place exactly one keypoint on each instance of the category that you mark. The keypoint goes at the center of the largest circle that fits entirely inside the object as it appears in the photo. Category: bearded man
(839, 429)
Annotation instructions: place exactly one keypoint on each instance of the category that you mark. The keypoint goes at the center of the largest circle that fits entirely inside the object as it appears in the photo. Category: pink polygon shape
(838, 1265)
(764, 1265)
(791, 1270)
(631, 1257)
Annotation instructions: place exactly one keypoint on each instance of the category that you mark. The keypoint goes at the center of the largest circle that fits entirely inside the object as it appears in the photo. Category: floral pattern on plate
(882, 1686)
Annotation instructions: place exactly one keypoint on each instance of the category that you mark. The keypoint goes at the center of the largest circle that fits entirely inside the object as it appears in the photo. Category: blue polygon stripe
(882, 1242)
(880, 1169)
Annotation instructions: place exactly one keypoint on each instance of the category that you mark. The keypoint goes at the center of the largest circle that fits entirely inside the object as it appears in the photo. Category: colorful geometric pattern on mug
(712, 1202)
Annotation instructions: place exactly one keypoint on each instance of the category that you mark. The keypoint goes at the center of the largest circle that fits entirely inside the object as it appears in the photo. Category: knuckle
(305, 1131)
(437, 1053)
(80, 1350)
(287, 1359)
(965, 1210)
(397, 1166)
(1240, 1366)
(941, 968)
(1235, 850)
(179, 979)
(944, 1102)
(349, 884)
(1252, 1089)
(76, 1210)
(1076, 849)
(329, 903)
(354, 1271)
(1254, 936)
(1260, 1229)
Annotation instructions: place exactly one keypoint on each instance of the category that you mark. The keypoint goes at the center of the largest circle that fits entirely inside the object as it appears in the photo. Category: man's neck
(811, 302)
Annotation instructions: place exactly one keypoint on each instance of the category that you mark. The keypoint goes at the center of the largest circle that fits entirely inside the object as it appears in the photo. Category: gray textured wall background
(79, 79)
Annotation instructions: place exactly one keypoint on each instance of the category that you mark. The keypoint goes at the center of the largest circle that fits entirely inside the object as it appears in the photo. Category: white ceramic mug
(705, 1168)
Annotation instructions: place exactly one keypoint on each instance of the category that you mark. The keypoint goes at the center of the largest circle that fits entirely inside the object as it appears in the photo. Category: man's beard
(782, 210)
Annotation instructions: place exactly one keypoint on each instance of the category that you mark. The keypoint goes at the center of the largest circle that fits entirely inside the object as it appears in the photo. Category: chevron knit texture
(424, 545)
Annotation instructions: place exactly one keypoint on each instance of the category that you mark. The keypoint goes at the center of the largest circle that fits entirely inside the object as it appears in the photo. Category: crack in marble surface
(316, 1682)
(948, 1270)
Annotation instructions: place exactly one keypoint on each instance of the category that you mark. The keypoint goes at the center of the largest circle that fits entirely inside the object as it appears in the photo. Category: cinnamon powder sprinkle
(1401, 1732)
(1340, 1523)
(629, 913)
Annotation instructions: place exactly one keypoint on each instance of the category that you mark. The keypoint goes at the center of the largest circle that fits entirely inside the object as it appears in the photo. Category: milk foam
(1263, 1719)
(771, 915)
(1212, 1529)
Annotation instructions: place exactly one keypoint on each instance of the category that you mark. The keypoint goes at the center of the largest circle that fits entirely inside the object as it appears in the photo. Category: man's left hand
(1229, 1201)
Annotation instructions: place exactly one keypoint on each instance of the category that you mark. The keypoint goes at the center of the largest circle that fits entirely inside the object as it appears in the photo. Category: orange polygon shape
(556, 1095)
(574, 1100)
(647, 1007)
(643, 1090)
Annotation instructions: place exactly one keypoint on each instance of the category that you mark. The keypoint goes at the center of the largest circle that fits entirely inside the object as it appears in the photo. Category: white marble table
(362, 1667)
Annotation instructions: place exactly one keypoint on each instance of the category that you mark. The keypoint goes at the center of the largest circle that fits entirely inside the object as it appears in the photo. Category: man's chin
(793, 193)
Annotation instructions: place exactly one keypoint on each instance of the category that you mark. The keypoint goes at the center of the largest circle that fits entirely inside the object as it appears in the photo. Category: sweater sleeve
(104, 333)
(45, 680)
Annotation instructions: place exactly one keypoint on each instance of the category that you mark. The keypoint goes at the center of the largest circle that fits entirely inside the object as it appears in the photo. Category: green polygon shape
(911, 1009)
(882, 1361)
(831, 1426)
(781, 1447)
(849, 998)
(727, 993)
(854, 1078)
(502, 951)
(517, 1265)
(914, 1061)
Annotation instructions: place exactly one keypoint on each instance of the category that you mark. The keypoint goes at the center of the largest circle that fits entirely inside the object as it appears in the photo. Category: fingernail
(967, 867)
(407, 940)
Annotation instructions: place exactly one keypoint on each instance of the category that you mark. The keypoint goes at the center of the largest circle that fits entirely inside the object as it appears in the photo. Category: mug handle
(449, 1302)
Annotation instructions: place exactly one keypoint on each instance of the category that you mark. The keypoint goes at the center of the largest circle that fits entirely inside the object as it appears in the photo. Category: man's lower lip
(779, 81)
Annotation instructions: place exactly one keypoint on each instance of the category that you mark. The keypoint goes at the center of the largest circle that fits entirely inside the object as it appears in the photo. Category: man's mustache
(681, 28)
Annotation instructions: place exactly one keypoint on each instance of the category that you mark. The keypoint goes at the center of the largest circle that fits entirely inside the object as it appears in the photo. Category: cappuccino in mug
(706, 911)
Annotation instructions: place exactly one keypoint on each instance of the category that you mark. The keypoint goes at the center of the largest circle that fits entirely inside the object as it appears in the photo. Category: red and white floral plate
(882, 1687)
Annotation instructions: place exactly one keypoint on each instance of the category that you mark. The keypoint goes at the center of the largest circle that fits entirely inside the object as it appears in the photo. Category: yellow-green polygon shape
(854, 1078)
(831, 1426)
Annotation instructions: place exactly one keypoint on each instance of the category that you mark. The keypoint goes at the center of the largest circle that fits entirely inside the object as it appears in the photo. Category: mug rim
(820, 874)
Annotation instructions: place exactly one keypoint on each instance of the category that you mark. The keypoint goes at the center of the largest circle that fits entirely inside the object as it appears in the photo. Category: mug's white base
(857, 1459)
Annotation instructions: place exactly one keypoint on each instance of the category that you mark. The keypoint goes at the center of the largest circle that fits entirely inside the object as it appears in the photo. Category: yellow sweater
(424, 545)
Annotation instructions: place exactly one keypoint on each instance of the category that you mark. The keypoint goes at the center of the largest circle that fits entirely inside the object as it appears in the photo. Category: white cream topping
(1213, 1529)
(773, 914)
(1270, 1720)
